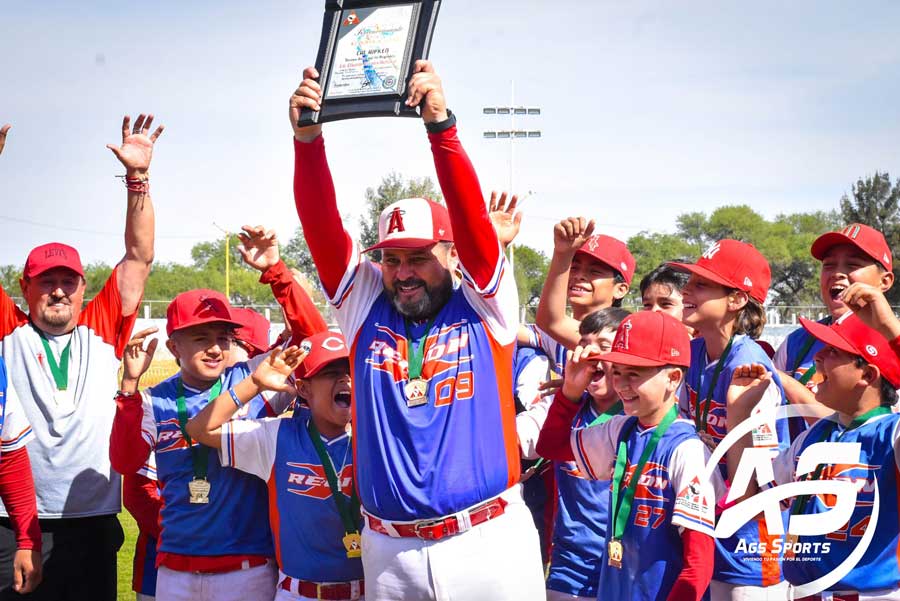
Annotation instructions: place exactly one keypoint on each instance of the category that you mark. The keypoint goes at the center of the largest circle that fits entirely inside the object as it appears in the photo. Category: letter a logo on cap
(395, 223)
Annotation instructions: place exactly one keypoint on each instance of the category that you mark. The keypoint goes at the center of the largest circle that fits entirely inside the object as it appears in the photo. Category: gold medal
(614, 551)
(416, 392)
(353, 544)
(199, 490)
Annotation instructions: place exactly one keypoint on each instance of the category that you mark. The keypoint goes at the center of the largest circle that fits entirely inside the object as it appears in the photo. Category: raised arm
(135, 154)
(3, 131)
(568, 236)
(314, 196)
(259, 249)
(128, 450)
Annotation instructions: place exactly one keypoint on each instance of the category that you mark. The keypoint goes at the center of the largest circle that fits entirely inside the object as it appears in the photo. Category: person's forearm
(127, 448)
(799, 394)
(316, 203)
(300, 312)
(140, 495)
(204, 427)
(17, 494)
(551, 312)
(134, 269)
(555, 439)
(473, 232)
(698, 559)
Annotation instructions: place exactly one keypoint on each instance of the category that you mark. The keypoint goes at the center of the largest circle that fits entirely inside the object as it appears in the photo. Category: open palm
(137, 147)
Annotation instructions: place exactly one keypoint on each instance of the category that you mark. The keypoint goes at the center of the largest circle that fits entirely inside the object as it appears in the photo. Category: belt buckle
(319, 591)
(430, 524)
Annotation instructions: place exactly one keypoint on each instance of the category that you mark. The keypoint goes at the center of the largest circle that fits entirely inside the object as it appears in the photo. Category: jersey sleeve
(11, 316)
(148, 470)
(148, 420)
(594, 447)
(16, 432)
(355, 294)
(529, 380)
(528, 427)
(766, 434)
(780, 358)
(103, 315)
(249, 445)
(695, 499)
(539, 339)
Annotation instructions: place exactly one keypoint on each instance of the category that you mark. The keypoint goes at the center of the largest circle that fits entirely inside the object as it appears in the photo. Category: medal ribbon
(351, 523)
(416, 355)
(701, 419)
(621, 505)
(807, 376)
(799, 504)
(200, 453)
(59, 370)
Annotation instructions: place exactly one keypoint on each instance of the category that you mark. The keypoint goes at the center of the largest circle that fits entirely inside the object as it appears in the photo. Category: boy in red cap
(855, 254)
(661, 512)
(860, 372)
(252, 337)
(307, 463)
(723, 303)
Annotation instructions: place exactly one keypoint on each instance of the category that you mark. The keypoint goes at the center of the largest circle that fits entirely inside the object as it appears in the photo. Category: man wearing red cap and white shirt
(855, 254)
(436, 452)
(62, 362)
(861, 371)
(307, 463)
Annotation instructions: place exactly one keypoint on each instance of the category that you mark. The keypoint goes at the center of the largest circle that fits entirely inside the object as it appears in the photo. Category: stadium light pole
(512, 134)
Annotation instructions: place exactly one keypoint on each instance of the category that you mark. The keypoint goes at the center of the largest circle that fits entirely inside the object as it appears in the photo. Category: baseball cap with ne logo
(650, 339)
(195, 307)
(733, 264)
(612, 252)
(413, 223)
(324, 348)
(48, 256)
(852, 336)
(863, 237)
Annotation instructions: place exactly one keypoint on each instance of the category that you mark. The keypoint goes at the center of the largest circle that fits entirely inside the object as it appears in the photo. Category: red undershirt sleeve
(473, 233)
(11, 317)
(698, 553)
(555, 440)
(140, 496)
(128, 450)
(895, 345)
(17, 493)
(299, 309)
(314, 196)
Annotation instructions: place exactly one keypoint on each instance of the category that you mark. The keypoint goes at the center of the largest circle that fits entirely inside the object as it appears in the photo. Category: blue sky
(649, 110)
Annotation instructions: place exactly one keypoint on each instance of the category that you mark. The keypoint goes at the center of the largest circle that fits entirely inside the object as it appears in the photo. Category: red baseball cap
(413, 223)
(733, 264)
(863, 237)
(254, 329)
(194, 307)
(649, 339)
(324, 348)
(853, 336)
(50, 255)
(612, 252)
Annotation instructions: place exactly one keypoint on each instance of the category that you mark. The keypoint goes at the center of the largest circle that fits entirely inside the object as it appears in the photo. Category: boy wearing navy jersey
(860, 371)
(307, 463)
(661, 510)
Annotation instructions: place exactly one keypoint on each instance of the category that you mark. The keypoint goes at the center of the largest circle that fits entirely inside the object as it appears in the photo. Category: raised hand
(272, 374)
(308, 95)
(426, 91)
(506, 219)
(870, 305)
(748, 385)
(580, 369)
(3, 131)
(137, 147)
(136, 359)
(570, 234)
(258, 247)
(550, 387)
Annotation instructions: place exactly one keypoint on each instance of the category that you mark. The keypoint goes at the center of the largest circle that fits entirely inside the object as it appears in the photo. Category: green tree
(652, 249)
(876, 202)
(530, 272)
(296, 254)
(393, 187)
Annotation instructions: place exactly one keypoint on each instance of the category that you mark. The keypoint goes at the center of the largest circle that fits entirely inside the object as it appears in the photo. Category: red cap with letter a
(853, 336)
(195, 307)
(610, 251)
(323, 348)
(651, 339)
(51, 255)
(733, 264)
(254, 329)
(863, 237)
(413, 223)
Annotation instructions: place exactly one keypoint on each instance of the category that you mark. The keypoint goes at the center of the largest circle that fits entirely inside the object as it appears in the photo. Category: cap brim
(200, 322)
(404, 243)
(827, 335)
(316, 368)
(35, 273)
(703, 272)
(632, 360)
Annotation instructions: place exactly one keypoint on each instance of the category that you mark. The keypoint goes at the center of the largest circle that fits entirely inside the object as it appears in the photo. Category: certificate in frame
(366, 56)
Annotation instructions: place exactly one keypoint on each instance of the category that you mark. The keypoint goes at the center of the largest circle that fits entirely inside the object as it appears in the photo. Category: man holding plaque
(434, 417)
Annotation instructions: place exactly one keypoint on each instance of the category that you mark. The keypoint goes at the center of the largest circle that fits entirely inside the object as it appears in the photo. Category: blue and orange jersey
(795, 356)
(879, 567)
(671, 494)
(539, 339)
(303, 515)
(579, 534)
(733, 565)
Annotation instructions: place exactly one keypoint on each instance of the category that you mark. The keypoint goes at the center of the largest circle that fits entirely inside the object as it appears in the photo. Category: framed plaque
(366, 56)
